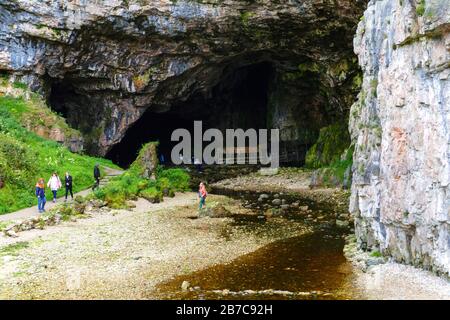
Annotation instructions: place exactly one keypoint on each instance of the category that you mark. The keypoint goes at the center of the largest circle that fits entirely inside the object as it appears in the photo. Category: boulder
(342, 224)
(147, 160)
(276, 202)
(215, 210)
(185, 286)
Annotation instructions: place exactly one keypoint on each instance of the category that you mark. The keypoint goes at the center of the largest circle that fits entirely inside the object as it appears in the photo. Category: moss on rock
(333, 141)
(147, 160)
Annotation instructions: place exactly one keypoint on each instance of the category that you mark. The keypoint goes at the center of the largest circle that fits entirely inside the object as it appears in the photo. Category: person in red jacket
(202, 195)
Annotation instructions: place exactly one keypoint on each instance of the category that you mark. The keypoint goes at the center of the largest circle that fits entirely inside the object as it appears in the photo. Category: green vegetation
(19, 85)
(334, 174)
(132, 184)
(25, 156)
(304, 70)
(142, 80)
(331, 155)
(245, 18)
(376, 254)
(374, 87)
(333, 141)
(420, 9)
(4, 225)
(33, 114)
(12, 249)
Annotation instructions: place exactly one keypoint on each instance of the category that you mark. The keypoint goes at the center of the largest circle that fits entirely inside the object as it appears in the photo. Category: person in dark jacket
(96, 177)
(68, 184)
(40, 194)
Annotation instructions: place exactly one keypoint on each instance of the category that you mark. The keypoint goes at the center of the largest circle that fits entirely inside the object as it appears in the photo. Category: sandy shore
(393, 281)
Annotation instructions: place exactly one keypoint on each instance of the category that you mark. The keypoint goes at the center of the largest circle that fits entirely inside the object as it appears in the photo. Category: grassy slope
(24, 156)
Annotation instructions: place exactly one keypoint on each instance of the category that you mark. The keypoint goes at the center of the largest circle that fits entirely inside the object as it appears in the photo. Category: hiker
(68, 184)
(54, 184)
(202, 195)
(40, 194)
(96, 177)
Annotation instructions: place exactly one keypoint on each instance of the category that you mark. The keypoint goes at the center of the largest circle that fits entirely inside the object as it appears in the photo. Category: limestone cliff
(400, 125)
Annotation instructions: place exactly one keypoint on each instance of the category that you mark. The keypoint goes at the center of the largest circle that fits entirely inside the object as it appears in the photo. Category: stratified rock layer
(104, 63)
(400, 125)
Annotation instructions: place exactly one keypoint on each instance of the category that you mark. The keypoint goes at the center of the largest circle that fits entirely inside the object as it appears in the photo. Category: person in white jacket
(54, 183)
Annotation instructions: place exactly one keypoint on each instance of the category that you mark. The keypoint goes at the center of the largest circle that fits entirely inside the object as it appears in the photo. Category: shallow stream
(311, 266)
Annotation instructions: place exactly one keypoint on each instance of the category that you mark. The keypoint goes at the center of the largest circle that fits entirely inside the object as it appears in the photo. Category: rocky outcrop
(400, 193)
(102, 64)
(38, 118)
(147, 160)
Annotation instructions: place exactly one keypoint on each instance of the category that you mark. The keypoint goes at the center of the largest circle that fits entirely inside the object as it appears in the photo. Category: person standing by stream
(40, 194)
(202, 195)
(68, 183)
(54, 183)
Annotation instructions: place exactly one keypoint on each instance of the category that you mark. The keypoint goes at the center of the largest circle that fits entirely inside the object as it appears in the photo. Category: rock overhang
(120, 58)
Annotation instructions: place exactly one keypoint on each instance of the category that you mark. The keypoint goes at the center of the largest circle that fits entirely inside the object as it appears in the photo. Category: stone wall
(400, 126)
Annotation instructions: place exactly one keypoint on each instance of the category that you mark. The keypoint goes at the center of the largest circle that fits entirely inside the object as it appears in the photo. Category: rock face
(103, 64)
(400, 193)
(147, 160)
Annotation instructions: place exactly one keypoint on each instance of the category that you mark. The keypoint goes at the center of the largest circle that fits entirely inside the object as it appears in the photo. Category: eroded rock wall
(104, 63)
(400, 125)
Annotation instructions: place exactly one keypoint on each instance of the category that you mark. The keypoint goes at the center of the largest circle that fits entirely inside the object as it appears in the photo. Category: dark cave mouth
(259, 94)
(239, 100)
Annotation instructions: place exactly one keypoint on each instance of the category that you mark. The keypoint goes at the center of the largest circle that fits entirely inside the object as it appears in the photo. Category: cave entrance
(238, 100)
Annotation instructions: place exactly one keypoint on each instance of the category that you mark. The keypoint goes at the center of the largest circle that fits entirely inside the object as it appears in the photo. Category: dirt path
(32, 211)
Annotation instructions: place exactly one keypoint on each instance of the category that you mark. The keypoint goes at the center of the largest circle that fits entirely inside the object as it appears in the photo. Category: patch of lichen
(142, 80)
(332, 142)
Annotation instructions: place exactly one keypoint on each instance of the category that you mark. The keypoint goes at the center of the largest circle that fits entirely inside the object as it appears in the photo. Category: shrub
(178, 179)
(152, 194)
(131, 185)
